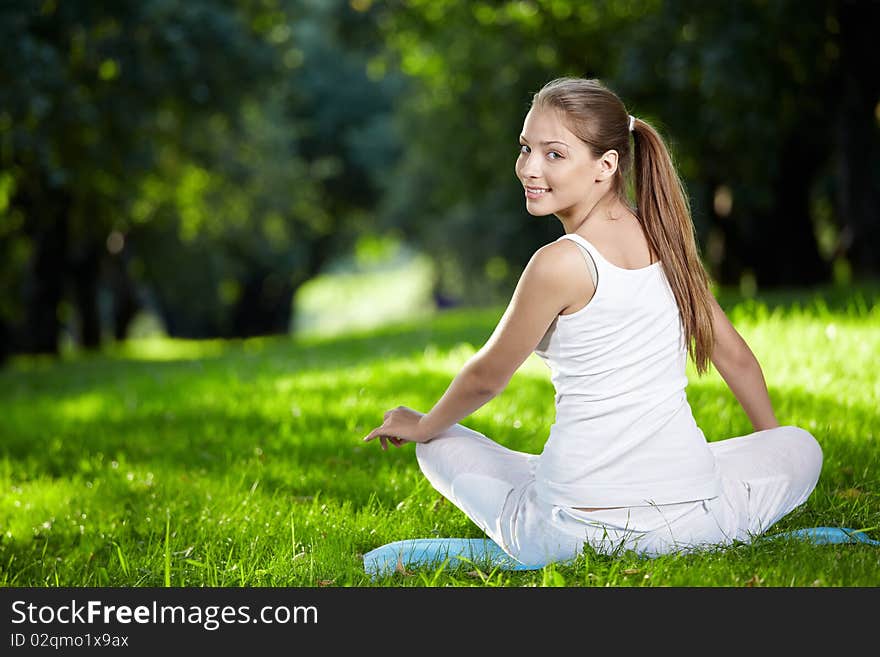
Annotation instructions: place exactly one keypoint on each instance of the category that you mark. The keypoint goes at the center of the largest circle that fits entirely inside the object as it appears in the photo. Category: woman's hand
(401, 426)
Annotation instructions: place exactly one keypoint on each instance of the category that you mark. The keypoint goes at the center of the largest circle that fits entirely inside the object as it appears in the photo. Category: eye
(558, 156)
(523, 149)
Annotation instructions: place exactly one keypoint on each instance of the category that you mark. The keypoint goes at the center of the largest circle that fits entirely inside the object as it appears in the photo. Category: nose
(527, 166)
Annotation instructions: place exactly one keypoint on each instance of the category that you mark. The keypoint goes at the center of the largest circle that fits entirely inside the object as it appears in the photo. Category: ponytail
(665, 214)
(598, 117)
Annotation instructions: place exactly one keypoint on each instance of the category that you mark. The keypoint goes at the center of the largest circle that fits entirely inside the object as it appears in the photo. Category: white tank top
(624, 433)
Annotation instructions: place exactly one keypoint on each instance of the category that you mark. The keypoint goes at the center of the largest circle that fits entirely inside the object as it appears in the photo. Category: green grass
(239, 463)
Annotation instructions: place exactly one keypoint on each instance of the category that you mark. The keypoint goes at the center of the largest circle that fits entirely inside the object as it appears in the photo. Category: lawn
(239, 463)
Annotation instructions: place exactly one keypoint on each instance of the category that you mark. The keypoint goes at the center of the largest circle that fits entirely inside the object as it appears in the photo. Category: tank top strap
(587, 251)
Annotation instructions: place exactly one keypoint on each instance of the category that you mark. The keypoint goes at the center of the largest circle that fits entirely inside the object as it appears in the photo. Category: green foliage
(745, 94)
(282, 195)
(239, 463)
(92, 90)
(231, 145)
(94, 97)
(214, 156)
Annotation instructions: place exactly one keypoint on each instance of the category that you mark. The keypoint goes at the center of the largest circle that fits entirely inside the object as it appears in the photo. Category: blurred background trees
(204, 160)
(762, 104)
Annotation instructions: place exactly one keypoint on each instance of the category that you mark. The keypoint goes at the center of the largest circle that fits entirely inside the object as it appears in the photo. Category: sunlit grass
(341, 301)
(237, 463)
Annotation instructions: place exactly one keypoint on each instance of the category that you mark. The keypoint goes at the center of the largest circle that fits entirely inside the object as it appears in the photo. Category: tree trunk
(785, 249)
(264, 306)
(47, 211)
(6, 346)
(266, 303)
(85, 288)
(724, 260)
(858, 196)
(125, 300)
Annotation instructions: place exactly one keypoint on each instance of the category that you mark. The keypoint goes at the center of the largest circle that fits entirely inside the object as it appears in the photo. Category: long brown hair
(598, 117)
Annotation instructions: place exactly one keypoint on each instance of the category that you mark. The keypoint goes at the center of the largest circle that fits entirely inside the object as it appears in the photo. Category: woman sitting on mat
(614, 307)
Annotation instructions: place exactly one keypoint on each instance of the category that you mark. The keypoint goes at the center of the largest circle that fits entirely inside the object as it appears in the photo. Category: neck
(593, 208)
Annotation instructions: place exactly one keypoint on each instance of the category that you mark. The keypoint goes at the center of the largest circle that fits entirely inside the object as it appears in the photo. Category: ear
(607, 165)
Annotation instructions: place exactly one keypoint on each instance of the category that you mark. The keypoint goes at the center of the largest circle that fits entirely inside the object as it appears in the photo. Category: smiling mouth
(536, 192)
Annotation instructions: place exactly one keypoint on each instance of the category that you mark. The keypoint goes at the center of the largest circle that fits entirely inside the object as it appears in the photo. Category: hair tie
(632, 122)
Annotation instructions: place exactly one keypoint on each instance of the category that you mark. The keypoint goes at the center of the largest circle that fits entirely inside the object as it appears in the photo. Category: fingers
(375, 433)
(384, 440)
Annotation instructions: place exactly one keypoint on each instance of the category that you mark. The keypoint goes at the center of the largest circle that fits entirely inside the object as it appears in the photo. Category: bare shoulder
(560, 267)
(562, 257)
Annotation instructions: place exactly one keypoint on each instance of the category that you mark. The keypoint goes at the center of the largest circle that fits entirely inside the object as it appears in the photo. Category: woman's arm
(741, 371)
(748, 386)
(465, 394)
(542, 291)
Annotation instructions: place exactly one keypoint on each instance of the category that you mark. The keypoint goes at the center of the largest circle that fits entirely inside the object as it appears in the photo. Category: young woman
(614, 307)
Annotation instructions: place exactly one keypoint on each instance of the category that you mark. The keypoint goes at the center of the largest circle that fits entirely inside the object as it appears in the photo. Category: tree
(295, 186)
(748, 96)
(209, 155)
(87, 92)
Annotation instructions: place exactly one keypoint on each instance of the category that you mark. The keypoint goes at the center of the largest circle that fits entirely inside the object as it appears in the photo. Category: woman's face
(554, 166)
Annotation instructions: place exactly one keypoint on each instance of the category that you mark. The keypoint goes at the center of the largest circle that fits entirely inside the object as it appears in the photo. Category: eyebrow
(545, 143)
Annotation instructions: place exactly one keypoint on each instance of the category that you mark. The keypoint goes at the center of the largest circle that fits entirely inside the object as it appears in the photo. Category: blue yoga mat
(400, 555)
(485, 553)
(824, 535)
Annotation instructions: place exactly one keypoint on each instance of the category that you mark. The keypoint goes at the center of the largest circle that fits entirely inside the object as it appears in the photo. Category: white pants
(765, 475)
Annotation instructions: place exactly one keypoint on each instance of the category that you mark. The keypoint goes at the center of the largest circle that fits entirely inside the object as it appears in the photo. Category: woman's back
(624, 433)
